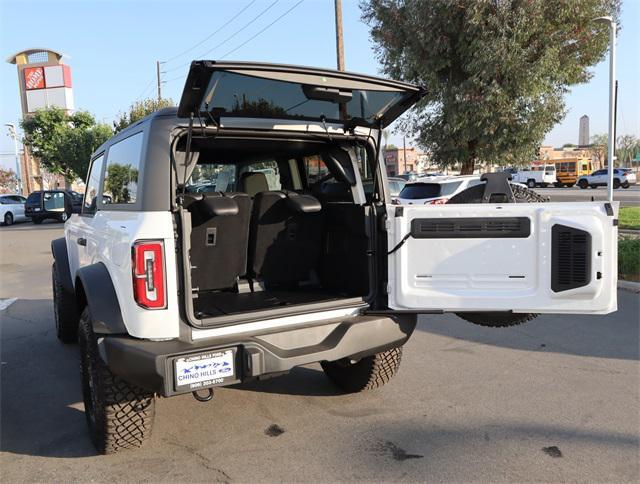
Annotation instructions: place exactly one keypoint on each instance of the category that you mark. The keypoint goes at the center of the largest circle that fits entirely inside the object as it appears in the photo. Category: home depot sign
(47, 86)
(34, 78)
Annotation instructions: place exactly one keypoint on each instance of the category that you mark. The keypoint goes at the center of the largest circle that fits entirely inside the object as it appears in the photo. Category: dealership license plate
(204, 369)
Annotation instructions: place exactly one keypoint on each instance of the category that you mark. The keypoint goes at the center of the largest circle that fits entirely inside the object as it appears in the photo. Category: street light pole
(612, 99)
(14, 135)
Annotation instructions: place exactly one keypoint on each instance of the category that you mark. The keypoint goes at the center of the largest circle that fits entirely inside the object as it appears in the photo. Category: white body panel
(541, 177)
(473, 274)
(110, 235)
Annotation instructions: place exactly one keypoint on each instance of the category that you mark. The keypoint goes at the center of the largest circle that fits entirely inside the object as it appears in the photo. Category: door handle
(82, 241)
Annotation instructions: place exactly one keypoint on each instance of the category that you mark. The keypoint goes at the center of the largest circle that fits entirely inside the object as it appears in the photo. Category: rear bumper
(149, 364)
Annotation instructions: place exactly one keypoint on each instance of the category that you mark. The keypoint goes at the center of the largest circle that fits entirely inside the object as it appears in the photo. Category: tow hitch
(204, 398)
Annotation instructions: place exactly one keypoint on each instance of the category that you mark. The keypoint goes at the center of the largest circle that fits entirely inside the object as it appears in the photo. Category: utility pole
(404, 152)
(339, 41)
(159, 82)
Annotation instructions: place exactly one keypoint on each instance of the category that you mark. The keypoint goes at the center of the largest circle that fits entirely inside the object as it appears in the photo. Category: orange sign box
(34, 78)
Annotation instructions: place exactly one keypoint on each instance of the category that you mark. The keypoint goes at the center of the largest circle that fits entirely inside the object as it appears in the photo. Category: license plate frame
(204, 369)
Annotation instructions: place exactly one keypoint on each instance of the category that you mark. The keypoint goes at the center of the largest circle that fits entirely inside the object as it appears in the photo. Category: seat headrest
(303, 203)
(254, 182)
(218, 205)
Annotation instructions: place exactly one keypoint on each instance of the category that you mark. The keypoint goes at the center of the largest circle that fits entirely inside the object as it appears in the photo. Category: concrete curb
(629, 286)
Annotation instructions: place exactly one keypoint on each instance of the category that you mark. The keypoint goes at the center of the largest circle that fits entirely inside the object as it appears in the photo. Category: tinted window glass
(212, 177)
(234, 94)
(121, 175)
(34, 198)
(93, 185)
(415, 191)
(270, 170)
(316, 169)
(54, 201)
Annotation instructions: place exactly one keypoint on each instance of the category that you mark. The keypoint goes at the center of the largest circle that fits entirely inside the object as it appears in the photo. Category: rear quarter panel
(114, 233)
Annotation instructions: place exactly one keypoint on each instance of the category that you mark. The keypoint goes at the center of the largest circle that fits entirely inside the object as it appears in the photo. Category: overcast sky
(112, 47)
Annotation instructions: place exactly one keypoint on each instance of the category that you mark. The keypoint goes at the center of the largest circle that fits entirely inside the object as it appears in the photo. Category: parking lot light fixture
(13, 134)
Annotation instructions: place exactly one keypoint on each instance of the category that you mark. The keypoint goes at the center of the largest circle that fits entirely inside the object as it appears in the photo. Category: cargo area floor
(213, 304)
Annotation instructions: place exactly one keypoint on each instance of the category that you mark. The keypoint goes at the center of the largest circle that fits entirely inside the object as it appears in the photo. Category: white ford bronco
(250, 231)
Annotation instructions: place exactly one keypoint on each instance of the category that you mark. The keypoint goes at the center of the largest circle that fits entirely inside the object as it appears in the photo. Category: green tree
(495, 71)
(627, 146)
(64, 142)
(598, 149)
(139, 110)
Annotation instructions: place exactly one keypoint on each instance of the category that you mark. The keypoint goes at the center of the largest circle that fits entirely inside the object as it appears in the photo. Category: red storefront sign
(34, 78)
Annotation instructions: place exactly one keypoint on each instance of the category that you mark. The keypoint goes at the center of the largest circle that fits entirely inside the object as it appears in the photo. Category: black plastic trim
(61, 257)
(149, 363)
(102, 299)
(471, 228)
(570, 258)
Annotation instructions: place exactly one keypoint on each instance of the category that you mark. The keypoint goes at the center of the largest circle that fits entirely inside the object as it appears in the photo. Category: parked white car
(435, 190)
(535, 176)
(622, 177)
(12, 209)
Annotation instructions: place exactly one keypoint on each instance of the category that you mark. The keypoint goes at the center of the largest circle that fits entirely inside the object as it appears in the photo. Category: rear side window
(416, 191)
(122, 172)
(93, 185)
(34, 198)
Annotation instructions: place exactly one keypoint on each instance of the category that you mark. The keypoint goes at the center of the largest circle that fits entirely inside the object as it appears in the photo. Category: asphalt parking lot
(554, 400)
(629, 197)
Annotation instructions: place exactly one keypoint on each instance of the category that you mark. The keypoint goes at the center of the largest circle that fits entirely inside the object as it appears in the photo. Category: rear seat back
(285, 237)
(219, 238)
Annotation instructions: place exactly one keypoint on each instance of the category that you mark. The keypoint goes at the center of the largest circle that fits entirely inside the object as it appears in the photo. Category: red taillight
(147, 263)
(437, 201)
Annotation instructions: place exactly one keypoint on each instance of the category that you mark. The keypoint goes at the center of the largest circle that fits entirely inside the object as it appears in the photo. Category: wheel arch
(94, 288)
(61, 258)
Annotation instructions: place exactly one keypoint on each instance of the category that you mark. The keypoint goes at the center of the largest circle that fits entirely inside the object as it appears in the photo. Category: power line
(146, 88)
(250, 38)
(225, 24)
(258, 33)
(201, 56)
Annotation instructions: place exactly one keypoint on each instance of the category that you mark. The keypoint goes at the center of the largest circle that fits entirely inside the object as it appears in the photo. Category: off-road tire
(497, 319)
(65, 313)
(119, 415)
(474, 195)
(365, 374)
(8, 219)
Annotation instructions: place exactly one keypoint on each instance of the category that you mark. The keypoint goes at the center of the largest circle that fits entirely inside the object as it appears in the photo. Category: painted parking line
(5, 303)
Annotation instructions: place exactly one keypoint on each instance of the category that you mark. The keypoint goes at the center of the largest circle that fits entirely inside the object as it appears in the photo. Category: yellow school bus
(568, 170)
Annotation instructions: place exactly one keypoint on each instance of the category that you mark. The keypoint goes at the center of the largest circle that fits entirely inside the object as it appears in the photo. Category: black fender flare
(61, 258)
(101, 297)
